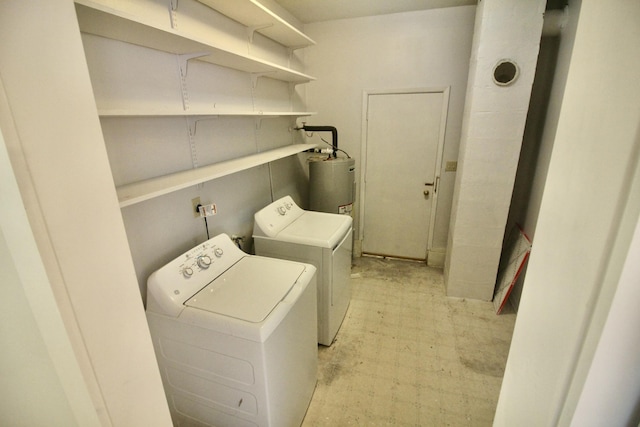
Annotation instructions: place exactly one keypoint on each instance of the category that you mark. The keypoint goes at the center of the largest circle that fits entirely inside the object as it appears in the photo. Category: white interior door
(404, 137)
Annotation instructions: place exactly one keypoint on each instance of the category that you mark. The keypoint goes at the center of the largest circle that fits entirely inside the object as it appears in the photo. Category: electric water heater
(332, 184)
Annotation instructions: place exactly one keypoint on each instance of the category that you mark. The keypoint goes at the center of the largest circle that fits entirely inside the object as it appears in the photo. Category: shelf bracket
(183, 64)
(290, 51)
(183, 61)
(292, 88)
(173, 7)
(191, 127)
(259, 120)
(256, 76)
(251, 30)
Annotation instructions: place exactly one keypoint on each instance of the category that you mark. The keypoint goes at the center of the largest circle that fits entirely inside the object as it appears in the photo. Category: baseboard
(357, 247)
(435, 257)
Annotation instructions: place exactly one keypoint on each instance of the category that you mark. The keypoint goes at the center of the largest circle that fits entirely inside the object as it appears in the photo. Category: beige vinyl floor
(406, 355)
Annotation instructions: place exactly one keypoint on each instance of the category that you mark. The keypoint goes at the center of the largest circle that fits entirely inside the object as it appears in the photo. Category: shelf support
(294, 48)
(184, 61)
(251, 30)
(173, 7)
(183, 64)
(292, 88)
(290, 51)
(258, 120)
(256, 76)
(193, 126)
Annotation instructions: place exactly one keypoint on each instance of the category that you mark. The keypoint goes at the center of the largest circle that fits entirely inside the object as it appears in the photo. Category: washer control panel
(170, 286)
(273, 218)
(201, 258)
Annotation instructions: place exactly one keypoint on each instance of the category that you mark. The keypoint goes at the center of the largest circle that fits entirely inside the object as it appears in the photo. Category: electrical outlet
(194, 207)
(451, 167)
(209, 209)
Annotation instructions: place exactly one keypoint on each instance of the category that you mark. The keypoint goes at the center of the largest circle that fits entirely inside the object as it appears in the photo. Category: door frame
(444, 90)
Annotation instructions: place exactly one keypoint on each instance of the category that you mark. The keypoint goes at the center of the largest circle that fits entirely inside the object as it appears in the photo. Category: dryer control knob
(204, 261)
(187, 272)
(218, 252)
(281, 210)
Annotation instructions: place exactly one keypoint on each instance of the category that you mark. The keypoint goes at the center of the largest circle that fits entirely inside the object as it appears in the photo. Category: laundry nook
(319, 213)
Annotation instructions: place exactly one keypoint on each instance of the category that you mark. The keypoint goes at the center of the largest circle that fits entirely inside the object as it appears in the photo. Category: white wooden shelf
(254, 15)
(144, 190)
(101, 20)
(197, 112)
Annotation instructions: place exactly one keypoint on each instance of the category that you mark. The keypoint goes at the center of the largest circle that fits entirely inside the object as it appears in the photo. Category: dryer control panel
(170, 286)
(273, 218)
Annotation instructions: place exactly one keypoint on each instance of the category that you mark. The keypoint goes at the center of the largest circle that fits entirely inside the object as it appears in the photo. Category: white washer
(235, 336)
(284, 230)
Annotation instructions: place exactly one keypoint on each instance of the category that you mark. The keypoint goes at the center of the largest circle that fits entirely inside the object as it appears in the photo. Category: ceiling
(308, 11)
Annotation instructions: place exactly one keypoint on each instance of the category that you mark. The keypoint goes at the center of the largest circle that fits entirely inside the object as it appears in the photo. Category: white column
(492, 129)
(53, 136)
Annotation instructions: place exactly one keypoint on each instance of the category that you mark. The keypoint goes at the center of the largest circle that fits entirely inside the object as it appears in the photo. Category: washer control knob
(187, 272)
(218, 252)
(204, 261)
(282, 210)
(288, 205)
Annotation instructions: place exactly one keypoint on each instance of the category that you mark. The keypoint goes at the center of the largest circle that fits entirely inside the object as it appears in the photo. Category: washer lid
(322, 229)
(249, 290)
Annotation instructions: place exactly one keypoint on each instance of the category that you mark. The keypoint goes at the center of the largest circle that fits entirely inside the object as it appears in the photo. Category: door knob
(426, 193)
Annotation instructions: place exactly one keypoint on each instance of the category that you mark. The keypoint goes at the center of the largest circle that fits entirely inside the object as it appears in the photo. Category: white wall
(130, 77)
(534, 161)
(37, 363)
(53, 137)
(612, 386)
(583, 234)
(426, 49)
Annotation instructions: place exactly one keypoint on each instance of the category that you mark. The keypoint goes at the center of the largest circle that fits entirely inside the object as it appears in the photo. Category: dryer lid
(249, 290)
(325, 230)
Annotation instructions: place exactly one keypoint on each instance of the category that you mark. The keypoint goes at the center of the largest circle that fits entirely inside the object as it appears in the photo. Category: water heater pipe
(554, 21)
(333, 130)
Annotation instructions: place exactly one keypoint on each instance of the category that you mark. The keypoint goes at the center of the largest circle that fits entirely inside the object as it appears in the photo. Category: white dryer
(235, 336)
(286, 231)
